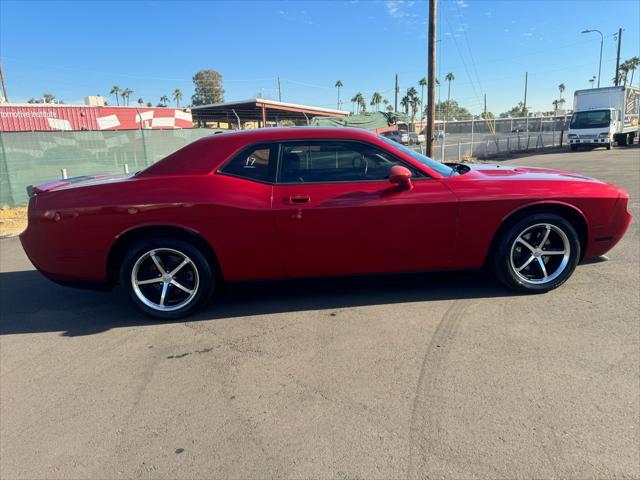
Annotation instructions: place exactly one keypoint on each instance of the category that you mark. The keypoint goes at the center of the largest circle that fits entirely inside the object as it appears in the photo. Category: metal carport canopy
(260, 109)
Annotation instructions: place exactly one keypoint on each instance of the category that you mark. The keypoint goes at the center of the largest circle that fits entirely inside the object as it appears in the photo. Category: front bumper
(589, 141)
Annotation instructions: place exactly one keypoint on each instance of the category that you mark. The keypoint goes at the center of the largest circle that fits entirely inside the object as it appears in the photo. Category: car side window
(334, 161)
(253, 163)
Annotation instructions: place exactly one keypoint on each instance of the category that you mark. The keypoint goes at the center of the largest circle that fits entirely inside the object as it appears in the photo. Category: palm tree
(125, 94)
(164, 100)
(177, 96)
(405, 103)
(115, 90)
(555, 104)
(376, 99)
(389, 108)
(634, 62)
(449, 78)
(359, 100)
(422, 82)
(624, 70)
(140, 102)
(338, 86)
(415, 103)
(562, 88)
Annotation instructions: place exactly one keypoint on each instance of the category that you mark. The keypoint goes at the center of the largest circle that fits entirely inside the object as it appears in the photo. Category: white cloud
(462, 4)
(397, 8)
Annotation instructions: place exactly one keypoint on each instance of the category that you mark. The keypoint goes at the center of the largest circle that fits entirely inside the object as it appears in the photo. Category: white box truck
(602, 116)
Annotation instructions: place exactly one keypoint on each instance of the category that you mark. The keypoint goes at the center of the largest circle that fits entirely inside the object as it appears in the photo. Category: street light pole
(601, 42)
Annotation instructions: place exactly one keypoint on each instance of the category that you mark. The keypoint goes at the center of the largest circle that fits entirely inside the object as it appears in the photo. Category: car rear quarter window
(253, 163)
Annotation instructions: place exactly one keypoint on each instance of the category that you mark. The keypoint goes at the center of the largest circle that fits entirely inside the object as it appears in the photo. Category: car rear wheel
(537, 254)
(166, 278)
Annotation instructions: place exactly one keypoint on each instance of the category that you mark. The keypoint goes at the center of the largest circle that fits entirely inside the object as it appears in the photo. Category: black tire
(574, 148)
(197, 275)
(622, 140)
(510, 254)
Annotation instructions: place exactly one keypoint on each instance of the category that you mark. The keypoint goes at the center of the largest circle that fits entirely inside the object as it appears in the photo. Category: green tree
(555, 104)
(487, 116)
(177, 96)
(164, 100)
(48, 97)
(208, 88)
(338, 86)
(518, 111)
(376, 100)
(389, 108)
(450, 109)
(149, 104)
(115, 90)
(140, 102)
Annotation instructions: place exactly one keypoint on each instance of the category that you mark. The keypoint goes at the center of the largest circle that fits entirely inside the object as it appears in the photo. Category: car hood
(489, 172)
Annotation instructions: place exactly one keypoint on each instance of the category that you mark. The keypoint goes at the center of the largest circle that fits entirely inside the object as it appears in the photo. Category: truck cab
(602, 116)
(593, 127)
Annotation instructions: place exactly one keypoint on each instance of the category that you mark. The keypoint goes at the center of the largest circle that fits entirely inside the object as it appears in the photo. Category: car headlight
(604, 135)
(572, 135)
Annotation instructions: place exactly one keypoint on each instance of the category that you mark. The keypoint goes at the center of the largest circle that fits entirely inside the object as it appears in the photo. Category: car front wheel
(537, 254)
(166, 278)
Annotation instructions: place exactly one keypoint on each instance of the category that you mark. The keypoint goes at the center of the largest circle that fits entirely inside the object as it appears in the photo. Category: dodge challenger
(313, 202)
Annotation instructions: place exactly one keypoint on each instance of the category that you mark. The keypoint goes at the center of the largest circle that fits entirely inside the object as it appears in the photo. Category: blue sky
(73, 49)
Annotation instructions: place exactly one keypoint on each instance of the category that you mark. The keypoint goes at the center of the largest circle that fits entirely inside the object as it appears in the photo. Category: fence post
(459, 151)
(126, 168)
(444, 140)
(63, 173)
(509, 143)
(471, 153)
(144, 142)
(561, 137)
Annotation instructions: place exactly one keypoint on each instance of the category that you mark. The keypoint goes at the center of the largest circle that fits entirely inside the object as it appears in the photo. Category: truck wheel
(622, 140)
(574, 148)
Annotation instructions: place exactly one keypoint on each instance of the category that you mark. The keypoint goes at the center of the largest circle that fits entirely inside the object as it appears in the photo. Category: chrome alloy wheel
(165, 279)
(540, 253)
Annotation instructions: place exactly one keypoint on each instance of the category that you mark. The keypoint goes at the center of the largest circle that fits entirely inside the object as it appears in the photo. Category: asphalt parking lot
(423, 376)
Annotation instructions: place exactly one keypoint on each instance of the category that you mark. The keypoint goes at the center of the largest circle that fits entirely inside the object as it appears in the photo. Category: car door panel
(367, 227)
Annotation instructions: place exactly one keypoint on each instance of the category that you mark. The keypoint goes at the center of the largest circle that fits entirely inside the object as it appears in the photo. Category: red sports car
(309, 202)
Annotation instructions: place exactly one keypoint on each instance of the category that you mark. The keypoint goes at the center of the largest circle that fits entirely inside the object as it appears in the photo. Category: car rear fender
(127, 237)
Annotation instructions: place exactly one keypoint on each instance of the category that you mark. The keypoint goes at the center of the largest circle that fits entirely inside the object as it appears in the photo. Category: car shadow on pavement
(32, 304)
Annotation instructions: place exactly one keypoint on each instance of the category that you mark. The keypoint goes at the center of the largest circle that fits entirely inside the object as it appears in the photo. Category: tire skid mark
(424, 418)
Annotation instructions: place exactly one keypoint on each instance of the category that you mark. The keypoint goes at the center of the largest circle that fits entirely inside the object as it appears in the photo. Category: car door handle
(298, 199)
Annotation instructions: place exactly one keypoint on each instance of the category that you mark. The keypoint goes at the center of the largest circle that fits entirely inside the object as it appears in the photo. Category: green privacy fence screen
(29, 158)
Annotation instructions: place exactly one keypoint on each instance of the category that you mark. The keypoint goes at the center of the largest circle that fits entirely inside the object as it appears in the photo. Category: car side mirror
(400, 176)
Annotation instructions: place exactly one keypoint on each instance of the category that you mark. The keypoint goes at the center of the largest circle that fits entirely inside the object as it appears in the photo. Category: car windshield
(591, 119)
(441, 168)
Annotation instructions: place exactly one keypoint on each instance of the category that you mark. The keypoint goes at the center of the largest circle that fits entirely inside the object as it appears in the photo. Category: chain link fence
(30, 158)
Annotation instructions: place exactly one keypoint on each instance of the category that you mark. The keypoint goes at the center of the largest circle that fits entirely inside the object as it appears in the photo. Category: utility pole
(279, 91)
(618, 58)
(485, 106)
(4, 87)
(431, 75)
(524, 108)
(395, 108)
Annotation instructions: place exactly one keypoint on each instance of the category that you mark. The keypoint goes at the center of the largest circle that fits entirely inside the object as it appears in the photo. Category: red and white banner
(25, 118)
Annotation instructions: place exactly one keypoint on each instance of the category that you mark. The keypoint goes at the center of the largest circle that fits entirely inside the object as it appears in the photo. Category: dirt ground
(12, 221)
